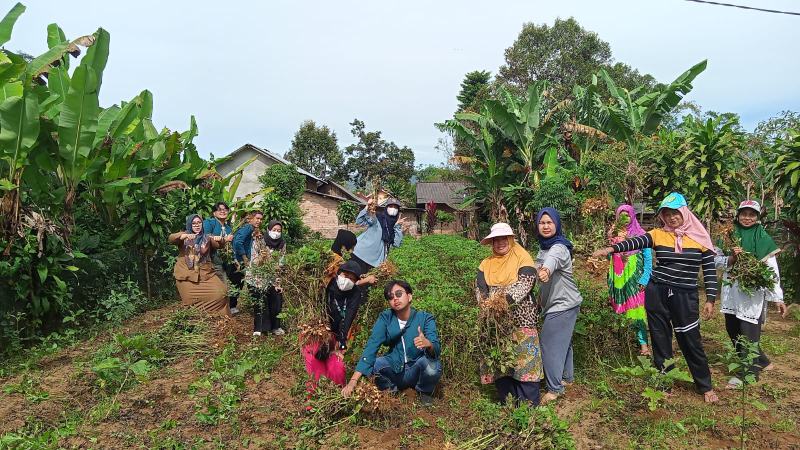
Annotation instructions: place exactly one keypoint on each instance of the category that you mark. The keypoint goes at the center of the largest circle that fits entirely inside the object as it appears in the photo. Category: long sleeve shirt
(560, 293)
(676, 269)
(370, 247)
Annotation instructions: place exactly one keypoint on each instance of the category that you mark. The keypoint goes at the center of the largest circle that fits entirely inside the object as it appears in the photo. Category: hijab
(387, 227)
(754, 239)
(558, 237)
(502, 270)
(691, 227)
(633, 229)
(345, 239)
(274, 244)
(200, 244)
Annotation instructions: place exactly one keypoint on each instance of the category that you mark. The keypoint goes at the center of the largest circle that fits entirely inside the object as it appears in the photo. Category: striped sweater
(672, 268)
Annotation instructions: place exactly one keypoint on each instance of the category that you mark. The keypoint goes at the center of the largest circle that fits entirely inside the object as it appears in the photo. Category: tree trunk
(147, 274)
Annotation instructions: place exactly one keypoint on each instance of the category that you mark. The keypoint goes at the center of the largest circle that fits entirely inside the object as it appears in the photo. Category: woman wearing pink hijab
(683, 247)
(629, 273)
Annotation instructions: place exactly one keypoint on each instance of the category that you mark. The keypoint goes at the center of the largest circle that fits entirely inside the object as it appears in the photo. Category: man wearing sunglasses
(413, 356)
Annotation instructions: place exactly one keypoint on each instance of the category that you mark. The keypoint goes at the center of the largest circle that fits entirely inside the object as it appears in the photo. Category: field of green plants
(95, 352)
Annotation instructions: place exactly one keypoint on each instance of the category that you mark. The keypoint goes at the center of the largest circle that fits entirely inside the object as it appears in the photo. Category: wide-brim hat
(498, 230)
(752, 204)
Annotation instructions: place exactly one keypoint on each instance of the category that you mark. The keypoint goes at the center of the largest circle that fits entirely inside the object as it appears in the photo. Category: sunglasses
(398, 293)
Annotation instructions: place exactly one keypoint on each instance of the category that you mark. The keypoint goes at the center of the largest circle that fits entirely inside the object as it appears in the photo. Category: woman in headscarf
(683, 247)
(267, 255)
(384, 231)
(510, 271)
(560, 301)
(197, 282)
(746, 313)
(629, 273)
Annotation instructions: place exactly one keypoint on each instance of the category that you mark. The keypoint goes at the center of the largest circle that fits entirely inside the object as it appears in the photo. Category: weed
(29, 387)
(784, 426)
(419, 423)
(506, 426)
(656, 381)
(739, 358)
(774, 392)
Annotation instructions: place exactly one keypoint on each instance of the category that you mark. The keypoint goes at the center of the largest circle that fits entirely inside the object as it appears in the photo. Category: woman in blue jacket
(413, 356)
(384, 231)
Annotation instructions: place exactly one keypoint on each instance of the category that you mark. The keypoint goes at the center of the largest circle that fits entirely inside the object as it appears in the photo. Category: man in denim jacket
(413, 356)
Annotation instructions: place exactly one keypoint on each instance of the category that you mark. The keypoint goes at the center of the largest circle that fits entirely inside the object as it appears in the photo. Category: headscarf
(502, 270)
(754, 239)
(387, 227)
(691, 227)
(274, 244)
(200, 244)
(344, 239)
(634, 229)
(558, 237)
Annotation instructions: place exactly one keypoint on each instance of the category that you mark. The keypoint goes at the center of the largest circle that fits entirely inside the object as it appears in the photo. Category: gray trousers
(556, 341)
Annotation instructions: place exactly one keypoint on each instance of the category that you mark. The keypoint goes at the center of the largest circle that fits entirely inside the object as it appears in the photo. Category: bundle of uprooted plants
(621, 225)
(328, 407)
(750, 273)
(593, 206)
(314, 331)
(495, 333)
(385, 270)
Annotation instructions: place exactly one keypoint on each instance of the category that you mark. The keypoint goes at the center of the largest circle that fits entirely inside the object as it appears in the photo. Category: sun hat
(498, 229)
(752, 204)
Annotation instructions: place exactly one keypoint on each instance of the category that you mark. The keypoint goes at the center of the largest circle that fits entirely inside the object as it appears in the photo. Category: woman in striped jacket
(682, 248)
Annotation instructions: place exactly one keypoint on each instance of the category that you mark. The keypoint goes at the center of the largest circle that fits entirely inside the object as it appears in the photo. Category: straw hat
(498, 229)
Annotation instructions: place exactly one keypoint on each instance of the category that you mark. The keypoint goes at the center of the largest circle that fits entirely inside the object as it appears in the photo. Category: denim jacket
(243, 242)
(386, 331)
(212, 227)
(369, 245)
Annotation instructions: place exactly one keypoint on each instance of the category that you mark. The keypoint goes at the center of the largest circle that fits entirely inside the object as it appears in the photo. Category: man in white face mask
(343, 298)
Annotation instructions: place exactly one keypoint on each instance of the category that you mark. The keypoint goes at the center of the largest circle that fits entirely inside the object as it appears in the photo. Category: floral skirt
(528, 365)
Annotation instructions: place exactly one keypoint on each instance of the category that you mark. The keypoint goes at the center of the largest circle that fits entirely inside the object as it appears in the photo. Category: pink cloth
(691, 227)
(634, 229)
(332, 368)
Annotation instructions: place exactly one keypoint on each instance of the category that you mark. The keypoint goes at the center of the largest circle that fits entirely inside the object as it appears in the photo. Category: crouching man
(413, 356)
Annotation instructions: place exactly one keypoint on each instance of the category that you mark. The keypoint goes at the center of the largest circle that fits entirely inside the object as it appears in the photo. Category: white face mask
(344, 283)
(392, 211)
(275, 234)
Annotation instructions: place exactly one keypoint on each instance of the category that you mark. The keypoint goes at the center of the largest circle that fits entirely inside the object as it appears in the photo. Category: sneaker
(425, 399)
(278, 332)
(234, 311)
(256, 333)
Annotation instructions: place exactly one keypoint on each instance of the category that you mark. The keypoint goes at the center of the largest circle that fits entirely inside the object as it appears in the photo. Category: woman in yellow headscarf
(510, 271)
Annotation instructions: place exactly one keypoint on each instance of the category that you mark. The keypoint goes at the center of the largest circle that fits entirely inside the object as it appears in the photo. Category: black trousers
(237, 280)
(673, 309)
(267, 304)
(737, 328)
(340, 325)
(518, 390)
(364, 269)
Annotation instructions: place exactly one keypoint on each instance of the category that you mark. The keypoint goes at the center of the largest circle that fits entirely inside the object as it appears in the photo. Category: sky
(252, 72)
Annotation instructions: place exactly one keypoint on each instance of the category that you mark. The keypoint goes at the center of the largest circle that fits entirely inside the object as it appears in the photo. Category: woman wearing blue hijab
(560, 301)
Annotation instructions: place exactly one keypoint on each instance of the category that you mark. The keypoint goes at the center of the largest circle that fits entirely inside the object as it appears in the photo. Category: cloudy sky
(253, 71)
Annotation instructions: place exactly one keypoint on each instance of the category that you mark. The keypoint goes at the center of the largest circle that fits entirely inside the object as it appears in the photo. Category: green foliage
(314, 148)
(565, 54)
(738, 358)
(552, 193)
(656, 381)
(347, 211)
(288, 212)
(120, 304)
(474, 89)
(372, 157)
(506, 426)
(444, 218)
(287, 182)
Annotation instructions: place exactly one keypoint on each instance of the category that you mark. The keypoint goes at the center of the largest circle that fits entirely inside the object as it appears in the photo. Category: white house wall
(251, 173)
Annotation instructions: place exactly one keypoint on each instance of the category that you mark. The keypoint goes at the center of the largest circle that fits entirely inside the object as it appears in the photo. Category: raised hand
(421, 342)
(605, 251)
(544, 275)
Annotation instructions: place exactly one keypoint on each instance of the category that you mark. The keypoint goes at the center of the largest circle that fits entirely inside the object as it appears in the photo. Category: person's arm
(776, 295)
(364, 219)
(709, 275)
(175, 238)
(483, 288)
(557, 257)
(238, 242)
(367, 362)
(398, 235)
(429, 329)
(628, 245)
(647, 259)
(518, 290)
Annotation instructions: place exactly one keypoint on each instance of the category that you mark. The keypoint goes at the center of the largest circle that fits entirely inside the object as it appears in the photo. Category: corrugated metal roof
(451, 193)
